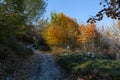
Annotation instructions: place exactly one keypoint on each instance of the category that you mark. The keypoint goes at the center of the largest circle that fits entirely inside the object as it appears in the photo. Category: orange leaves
(64, 21)
(55, 35)
(65, 30)
(66, 25)
(86, 32)
(70, 26)
(91, 30)
(119, 24)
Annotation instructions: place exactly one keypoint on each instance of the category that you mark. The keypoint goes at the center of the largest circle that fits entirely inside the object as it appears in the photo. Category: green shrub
(89, 67)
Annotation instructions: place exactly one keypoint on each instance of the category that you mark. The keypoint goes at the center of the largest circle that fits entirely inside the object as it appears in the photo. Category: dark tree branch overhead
(111, 8)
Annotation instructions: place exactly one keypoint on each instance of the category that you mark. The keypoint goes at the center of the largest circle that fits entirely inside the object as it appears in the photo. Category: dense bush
(25, 34)
(43, 46)
(9, 42)
(111, 40)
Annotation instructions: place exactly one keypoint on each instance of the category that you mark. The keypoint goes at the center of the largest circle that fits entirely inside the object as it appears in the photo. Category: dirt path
(49, 68)
(41, 66)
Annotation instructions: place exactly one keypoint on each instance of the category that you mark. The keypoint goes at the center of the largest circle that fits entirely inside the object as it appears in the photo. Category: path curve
(50, 70)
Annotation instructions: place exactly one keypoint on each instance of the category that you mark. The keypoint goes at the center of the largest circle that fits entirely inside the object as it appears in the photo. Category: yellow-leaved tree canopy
(61, 26)
(86, 32)
(55, 35)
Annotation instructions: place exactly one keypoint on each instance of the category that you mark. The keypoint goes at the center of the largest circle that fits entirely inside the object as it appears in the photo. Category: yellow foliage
(108, 33)
(55, 35)
(67, 24)
(119, 24)
(86, 32)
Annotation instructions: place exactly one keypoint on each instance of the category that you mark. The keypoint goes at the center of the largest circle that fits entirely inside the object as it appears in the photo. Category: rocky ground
(40, 66)
(49, 69)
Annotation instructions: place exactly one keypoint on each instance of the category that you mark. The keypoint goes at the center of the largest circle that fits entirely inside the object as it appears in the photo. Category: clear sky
(79, 9)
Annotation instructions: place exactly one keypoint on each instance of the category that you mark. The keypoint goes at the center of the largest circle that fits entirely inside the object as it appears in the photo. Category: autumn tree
(55, 35)
(86, 36)
(119, 24)
(69, 25)
(111, 8)
(86, 32)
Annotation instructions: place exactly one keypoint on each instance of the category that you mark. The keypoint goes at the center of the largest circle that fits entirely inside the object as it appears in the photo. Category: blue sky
(79, 9)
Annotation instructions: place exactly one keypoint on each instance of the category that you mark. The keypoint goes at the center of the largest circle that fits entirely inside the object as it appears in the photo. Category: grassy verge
(89, 67)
